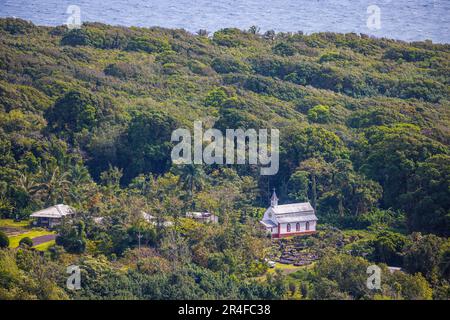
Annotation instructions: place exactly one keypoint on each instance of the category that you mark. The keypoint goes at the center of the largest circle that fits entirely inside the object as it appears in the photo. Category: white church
(289, 219)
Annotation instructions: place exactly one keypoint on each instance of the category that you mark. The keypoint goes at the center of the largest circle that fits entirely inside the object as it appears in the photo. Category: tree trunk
(341, 207)
(313, 190)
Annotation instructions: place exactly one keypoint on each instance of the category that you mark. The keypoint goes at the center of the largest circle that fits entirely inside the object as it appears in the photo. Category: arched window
(307, 225)
(288, 227)
(297, 227)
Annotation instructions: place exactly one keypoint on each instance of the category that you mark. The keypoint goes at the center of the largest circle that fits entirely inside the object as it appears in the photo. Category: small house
(394, 269)
(203, 217)
(52, 216)
(155, 221)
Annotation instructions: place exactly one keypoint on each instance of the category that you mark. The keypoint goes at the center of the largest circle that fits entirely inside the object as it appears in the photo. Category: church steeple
(274, 199)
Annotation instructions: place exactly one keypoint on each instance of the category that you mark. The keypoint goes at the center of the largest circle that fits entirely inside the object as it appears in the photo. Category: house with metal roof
(289, 219)
(52, 216)
(203, 217)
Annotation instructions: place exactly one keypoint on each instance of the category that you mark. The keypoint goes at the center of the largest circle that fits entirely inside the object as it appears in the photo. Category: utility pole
(139, 239)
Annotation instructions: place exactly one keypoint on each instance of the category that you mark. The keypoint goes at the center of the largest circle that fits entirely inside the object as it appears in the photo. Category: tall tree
(315, 167)
(54, 184)
(192, 178)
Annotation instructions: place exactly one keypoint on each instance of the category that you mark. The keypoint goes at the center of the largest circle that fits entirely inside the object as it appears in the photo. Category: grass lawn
(19, 227)
(10, 223)
(44, 246)
(14, 240)
(286, 269)
(362, 237)
(289, 268)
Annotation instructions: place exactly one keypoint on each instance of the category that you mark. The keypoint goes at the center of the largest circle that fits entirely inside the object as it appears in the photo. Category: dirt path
(11, 231)
(43, 239)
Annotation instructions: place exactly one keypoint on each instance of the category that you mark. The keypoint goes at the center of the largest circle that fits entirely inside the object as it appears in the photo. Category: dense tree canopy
(86, 118)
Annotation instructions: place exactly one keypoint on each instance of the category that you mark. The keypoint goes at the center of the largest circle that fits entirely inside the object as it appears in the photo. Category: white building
(203, 217)
(154, 220)
(289, 219)
(52, 216)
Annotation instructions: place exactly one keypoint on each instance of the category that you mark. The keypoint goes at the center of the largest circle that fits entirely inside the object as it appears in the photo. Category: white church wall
(284, 230)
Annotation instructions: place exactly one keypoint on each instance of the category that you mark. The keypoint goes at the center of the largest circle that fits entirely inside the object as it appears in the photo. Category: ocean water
(408, 20)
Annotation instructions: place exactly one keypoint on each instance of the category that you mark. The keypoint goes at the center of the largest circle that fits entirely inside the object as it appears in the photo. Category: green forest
(86, 120)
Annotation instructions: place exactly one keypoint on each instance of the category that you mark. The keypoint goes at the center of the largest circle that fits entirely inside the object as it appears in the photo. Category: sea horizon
(403, 20)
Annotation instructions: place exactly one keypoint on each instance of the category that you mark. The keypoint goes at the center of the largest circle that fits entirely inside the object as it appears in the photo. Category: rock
(285, 261)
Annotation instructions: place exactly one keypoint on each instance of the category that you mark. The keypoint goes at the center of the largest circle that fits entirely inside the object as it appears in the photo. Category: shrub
(148, 45)
(319, 114)
(26, 242)
(96, 37)
(72, 238)
(73, 112)
(284, 49)
(75, 37)
(4, 240)
(228, 37)
(332, 56)
(229, 65)
(16, 26)
(408, 54)
(375, 117)
(388, 247)
(215, 97)
(122, 70)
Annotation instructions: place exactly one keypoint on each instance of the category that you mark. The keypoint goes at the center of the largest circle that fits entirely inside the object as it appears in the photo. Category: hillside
(86, 119)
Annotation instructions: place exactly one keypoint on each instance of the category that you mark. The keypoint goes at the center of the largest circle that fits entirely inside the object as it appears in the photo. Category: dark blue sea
(408, 20)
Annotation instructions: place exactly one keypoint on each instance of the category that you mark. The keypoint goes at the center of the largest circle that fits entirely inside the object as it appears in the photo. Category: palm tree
(54, 185)
(28, 183)
(254, 30)
(80, 179)
(80, 175)
(192, 178)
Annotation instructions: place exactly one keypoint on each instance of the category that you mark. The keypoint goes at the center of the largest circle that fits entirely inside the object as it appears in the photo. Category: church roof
(291, 218)
(294, 212)
(293, 208)
(268, 223)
